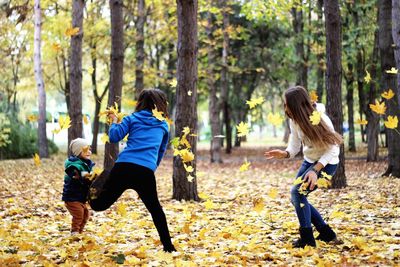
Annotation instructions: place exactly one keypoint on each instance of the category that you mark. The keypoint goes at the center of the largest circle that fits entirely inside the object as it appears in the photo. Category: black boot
(306, 238)
(326, 233)
(169, 248)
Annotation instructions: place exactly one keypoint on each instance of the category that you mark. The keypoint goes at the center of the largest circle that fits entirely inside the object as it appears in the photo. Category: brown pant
(80, 215)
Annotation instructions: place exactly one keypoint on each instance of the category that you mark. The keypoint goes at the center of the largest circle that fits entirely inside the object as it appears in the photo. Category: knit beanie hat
(77, 145)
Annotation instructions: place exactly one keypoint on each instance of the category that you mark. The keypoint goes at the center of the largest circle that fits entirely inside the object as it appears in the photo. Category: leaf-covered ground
(247, 219)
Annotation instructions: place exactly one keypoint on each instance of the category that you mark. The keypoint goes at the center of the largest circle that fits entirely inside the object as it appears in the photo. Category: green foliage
(21, 141)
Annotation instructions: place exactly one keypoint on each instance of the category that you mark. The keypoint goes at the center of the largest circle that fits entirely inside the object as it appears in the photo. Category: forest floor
(247, 219)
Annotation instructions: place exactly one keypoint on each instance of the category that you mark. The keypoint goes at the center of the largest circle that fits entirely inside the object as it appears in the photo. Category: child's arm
(72, 172)
(118, 131)
(163, 147)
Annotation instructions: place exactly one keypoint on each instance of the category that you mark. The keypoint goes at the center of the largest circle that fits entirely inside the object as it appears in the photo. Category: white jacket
(311, 153)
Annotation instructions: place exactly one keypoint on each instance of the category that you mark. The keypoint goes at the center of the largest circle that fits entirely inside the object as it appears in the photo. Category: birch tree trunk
(42, 137)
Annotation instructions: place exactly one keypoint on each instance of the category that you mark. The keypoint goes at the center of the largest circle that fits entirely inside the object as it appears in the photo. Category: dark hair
(152, 98)
(298, 107)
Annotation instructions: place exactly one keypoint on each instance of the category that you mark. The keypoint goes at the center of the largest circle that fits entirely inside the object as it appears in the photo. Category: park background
(224, 65)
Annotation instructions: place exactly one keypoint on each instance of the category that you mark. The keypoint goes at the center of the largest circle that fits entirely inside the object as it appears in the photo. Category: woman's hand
(276, 153)
(112, 117)
(311, 178)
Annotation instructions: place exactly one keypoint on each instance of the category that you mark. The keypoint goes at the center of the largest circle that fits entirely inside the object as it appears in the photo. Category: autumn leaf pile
(246, 218)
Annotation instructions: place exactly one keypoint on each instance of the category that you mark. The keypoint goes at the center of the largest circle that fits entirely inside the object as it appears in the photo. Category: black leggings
(141, 179)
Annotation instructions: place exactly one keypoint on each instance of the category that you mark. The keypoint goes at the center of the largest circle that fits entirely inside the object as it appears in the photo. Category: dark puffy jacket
(76, 189)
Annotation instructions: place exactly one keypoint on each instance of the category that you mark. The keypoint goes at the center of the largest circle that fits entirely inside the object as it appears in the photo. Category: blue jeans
(308, 214)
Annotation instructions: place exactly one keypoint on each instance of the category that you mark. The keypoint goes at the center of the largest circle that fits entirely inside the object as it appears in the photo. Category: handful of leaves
(112, 110)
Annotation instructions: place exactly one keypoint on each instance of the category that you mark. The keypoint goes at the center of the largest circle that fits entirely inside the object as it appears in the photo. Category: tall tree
(334, 79)
(214, 105)
(141, 19)
(116, 71)
(386, 37)
(75, 72)
(298, 27)
(320, 54)
(186, 95)
(42, 138)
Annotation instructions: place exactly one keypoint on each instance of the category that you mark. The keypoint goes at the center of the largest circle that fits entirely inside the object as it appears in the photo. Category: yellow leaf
(56, 47)
(315, 117)
(72, 31)
(388, 94)
(273, 193)
(188, 168)
(36, 160)
(323, 183)
(360, 242)
(242, 129)
(32, 118)
(337, 214)
(105, 139)
(202, 233)
(298, 181)
(203, 196)
(275, 119)
(121, 209)
(302, 205)
(189, 93)
(86, 119)
(190, 178)
(313, 96)
(391, 122)
(173, 83)
(326, 176)
(378, 108)
(158, 114)
(245, 166)
(209, 204)
(186, 155)
(186, 130)
(125, 138)
(169, 121)
(361, 122)
(258, 204)
(112, 110)
(367, 78)
(254, 102)
(392, 71)
(90, 70)
(130, 102)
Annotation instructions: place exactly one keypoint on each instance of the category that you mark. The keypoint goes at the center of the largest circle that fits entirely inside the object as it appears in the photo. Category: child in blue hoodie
(135, 166)
(76, 186)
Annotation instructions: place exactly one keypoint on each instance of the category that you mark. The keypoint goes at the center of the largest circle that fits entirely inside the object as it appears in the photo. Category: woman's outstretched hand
(275, 153)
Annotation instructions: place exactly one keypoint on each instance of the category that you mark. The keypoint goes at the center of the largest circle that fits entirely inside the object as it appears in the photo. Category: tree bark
(141, 19)
(75, 73)
(334, 79)
(186, 104)
(214, 107)
(116, 71)
(350, 106)
(42, 137)
(298, 27)
(389, 33)
(320, 55)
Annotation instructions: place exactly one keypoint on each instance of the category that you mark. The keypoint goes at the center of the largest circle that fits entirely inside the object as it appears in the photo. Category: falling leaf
(242, 129)
(64, 123)
(378, 108)
(175, 142)
(302, 205)
(105, 138)
(275, 119)
(392, 122)
(315, 117)
(56, 47)
(90, 70)
(36, 160)
(273, 193)
(72, 31)
(112, 110)
(173, 83)
(189, 93)
(258, 204)
(254, 102)
(32, 118)
(392, 71)
(299, 180)
(188, 168)
(169, 121)
(158, 114)
(186, 155)
(245, 166)
(85, 119)
(313, 96)
(125, 138)
(361, 122)
(190, 178)
(203, 195)
(367, 78)
(388, 94)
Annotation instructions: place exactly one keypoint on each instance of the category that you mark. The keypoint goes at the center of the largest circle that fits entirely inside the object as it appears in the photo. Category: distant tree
(141, 19)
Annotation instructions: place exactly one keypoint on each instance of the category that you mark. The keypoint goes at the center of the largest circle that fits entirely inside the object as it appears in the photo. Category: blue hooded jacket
(147, 140)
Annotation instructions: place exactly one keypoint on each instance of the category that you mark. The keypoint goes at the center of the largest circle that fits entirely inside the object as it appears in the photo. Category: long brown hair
(298, 107)
(151, 98)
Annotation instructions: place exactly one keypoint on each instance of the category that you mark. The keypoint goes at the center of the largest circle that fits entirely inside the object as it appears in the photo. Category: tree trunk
(334, 79)
(42, 137)
(350, 106)
(116, 71)
(214, 107)
(372, 117)
(139, 84)
(186, 105)
(224, 79)
(75, 73)
(298, 27)
(320, 55)
(388, 36)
